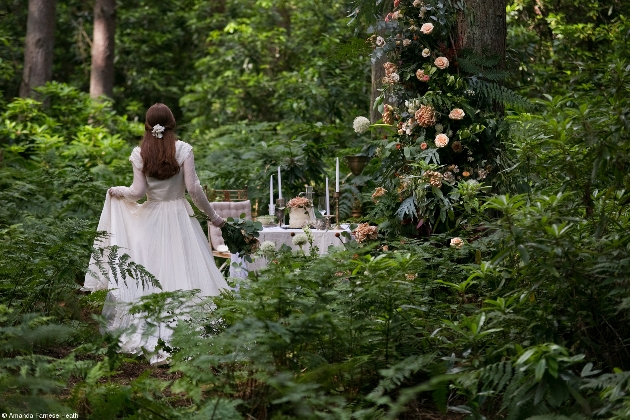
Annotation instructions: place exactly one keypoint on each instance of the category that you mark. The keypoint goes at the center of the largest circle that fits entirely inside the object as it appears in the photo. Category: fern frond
(407, 208)
(482, 67)
(496, 93)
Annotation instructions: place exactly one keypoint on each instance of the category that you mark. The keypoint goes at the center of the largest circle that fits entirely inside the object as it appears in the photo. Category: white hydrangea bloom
(300, 239)
(267, 247)
(361, 125)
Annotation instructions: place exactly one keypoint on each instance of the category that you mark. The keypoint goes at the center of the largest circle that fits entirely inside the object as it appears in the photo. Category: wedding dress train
(161, 235)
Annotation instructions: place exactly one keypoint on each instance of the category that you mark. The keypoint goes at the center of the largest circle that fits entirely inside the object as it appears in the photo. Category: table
(321, 239)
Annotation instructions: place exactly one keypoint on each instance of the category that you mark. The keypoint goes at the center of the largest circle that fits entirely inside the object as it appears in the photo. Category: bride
(159, 234)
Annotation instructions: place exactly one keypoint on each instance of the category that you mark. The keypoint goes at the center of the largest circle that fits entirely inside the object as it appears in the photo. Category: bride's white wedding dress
(161, 235)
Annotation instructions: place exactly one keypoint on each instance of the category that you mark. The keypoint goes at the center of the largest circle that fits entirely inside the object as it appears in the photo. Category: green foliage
(527, 319)
(268, 61)
(29, 380)
(240, 236)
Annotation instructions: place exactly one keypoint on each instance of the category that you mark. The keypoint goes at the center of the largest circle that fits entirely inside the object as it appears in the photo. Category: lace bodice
(169, 189)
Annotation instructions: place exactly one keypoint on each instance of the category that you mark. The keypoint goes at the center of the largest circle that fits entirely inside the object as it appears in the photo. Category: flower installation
(443, 112)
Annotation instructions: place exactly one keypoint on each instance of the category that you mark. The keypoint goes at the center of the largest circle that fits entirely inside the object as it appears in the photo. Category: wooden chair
(226, 195)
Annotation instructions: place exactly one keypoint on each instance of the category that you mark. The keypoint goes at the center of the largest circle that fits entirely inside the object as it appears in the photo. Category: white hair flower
(158, 131)
(361, 125)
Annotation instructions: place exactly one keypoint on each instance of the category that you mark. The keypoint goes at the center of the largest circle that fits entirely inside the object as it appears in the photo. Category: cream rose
(426, 28)
(441, 63)
(406, 42)
(380, 41)
(441, 140)
(457, 114)
(426, 52)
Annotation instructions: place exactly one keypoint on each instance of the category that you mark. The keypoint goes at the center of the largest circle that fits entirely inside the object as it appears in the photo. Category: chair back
(226, 195)
(227, 209)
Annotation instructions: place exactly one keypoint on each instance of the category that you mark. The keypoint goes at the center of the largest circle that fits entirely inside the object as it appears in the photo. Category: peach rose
(441, 140)
(424, 146)
(457, 114)
(426, 28)
(457, 243)
(441, 63)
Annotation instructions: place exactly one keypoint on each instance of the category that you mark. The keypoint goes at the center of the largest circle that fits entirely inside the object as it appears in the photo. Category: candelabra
(280, 206)
(337, 196)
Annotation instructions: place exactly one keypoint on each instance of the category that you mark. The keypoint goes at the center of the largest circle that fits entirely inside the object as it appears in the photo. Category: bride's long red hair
(158, 154)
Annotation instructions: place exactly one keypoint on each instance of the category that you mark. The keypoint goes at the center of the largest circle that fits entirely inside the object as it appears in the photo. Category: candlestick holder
(337, 196)
(280, 206)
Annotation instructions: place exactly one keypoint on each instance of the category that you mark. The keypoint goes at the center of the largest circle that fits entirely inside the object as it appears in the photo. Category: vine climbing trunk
(482, 28)
(38, 46)
(102, 72)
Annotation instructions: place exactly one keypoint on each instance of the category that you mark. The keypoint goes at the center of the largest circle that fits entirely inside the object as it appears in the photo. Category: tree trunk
(482, 28)
(378, 72)
(38, 48)
(102, 73)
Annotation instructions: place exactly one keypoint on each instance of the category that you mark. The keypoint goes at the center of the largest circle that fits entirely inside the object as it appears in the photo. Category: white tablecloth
(321, 239)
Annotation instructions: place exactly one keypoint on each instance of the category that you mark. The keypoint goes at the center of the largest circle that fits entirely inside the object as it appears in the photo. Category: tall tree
(482, 28)
(38, 49)
(102, 73)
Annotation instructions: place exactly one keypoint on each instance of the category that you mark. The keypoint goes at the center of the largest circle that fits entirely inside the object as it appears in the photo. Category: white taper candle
(327, 199)
(279, 184)
(337, 176)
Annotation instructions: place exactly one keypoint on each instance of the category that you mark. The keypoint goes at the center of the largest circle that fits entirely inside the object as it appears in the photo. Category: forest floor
(133, 367)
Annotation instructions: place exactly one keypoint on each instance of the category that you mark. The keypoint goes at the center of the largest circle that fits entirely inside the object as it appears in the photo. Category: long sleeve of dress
(136, 191)
(193, 186)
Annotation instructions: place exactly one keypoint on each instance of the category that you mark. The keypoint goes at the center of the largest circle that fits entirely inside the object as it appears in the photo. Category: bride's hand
(218, 222)
(115, 192)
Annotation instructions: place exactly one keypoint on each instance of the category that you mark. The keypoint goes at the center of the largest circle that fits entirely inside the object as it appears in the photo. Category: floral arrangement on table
(300, 202)
(442, 110)
(300, 212)
(241, 236)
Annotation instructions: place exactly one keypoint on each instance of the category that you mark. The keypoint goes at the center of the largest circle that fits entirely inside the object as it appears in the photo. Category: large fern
(494, 92)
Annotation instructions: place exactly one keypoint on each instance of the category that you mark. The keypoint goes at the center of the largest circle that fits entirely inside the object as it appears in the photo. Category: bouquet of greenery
(241, 236)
